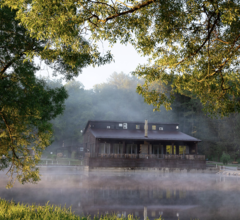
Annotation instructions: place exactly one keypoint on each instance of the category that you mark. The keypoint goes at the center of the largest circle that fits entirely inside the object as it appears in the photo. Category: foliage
(54, 156)
(73, 156)
(192, 44)
(27, 104)
(225, 158)
(12, 211)
(3, 163)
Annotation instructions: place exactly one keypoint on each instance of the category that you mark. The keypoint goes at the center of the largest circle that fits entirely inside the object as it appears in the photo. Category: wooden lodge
(139, 145)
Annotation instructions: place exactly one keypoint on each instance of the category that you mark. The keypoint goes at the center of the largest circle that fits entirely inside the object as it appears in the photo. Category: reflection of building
(135, 145)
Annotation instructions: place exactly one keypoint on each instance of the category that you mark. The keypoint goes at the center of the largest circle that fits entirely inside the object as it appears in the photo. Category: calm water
(190, 196)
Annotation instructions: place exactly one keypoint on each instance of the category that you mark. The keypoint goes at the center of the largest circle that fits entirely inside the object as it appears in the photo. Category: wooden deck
(145, 162)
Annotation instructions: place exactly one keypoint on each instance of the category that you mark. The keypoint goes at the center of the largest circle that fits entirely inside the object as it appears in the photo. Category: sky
(126, 60)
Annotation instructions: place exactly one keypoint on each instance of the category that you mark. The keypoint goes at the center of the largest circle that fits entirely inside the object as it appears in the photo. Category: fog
(117, 100)
(191, 196)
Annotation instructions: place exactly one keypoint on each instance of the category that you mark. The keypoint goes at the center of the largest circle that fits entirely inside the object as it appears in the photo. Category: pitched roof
(139, 135)
(123, 121)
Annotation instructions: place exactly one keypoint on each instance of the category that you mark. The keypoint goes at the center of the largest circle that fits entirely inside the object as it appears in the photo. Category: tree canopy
(192, 44)
(28, 104)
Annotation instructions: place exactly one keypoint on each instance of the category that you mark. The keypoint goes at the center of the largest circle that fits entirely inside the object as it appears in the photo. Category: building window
(137, 126)
(124, 125)
(169, 149)
(118, 148)
(131, 149)
(182, 149)
(104, 148)
(108, 127)
(154, 127)
(120, 125)
(160, 128)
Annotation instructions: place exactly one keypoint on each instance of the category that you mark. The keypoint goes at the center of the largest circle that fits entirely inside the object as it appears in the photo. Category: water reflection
(173, 196)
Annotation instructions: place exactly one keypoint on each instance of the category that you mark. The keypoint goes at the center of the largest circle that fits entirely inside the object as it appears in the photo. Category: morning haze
(88, 133)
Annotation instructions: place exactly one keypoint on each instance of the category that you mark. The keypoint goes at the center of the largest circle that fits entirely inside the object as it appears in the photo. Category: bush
(54, 156)
(3, 163)
(13, 211)
(225, 158)
(73, 155)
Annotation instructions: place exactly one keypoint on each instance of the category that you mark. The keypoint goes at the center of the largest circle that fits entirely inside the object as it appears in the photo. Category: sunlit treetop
(192, 44)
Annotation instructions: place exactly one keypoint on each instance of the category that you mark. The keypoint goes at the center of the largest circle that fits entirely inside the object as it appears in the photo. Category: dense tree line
(117, 100)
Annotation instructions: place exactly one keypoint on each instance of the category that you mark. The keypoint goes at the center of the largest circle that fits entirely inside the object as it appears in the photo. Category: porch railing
(150, 156)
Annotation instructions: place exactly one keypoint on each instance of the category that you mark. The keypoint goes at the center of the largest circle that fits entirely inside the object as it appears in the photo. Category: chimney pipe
(146, 128)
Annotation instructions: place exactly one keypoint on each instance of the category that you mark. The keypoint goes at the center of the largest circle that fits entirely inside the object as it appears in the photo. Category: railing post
(145, 213)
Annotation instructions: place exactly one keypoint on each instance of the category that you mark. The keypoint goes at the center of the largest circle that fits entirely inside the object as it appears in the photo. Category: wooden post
(111, 147)
(164, 148)
(138, 149)
(177, 149)
(150, 149)
(172, 148)
(196, 148)
(124, 147)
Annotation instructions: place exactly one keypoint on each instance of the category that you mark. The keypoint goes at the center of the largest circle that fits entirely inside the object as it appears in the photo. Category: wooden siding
(158, 163)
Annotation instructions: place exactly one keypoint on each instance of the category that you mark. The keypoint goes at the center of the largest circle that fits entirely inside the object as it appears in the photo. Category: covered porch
(106, 148)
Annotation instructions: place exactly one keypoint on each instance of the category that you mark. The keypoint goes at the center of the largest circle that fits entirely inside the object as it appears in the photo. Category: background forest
(117, 100)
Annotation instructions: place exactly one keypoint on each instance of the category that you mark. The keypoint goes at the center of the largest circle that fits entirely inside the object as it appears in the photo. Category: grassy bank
(12, 211)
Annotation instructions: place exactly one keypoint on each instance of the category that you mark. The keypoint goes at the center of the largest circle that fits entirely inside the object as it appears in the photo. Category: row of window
(132, 149)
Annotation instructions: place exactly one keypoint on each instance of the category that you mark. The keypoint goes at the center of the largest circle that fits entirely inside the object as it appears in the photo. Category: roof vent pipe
(146, 128)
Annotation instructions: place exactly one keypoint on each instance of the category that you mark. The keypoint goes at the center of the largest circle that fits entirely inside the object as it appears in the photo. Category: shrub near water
(12, 211)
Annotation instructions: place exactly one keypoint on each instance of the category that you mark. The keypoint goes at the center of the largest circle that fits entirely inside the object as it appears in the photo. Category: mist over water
(189, 196)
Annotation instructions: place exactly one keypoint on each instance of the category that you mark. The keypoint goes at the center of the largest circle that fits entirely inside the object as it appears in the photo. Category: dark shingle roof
(123, 121)
(139, 135)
